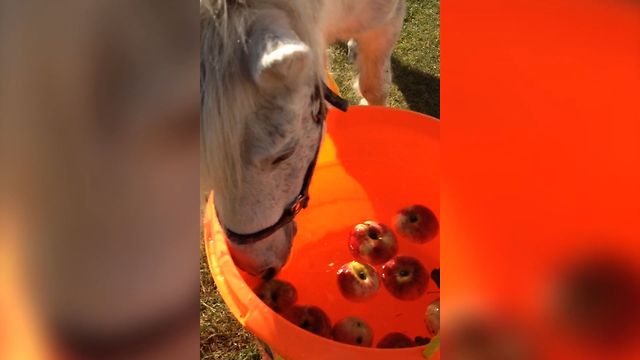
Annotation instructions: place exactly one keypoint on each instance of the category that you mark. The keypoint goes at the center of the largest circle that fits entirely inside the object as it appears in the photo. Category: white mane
(220, 123)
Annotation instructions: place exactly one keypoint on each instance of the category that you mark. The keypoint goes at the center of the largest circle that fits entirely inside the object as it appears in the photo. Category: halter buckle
(298, 204)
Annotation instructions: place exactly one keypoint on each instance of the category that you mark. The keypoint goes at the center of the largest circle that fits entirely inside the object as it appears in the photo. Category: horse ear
(278, 59)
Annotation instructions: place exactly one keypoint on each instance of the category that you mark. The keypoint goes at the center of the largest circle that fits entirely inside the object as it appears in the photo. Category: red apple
(419, 340)
(310, 318)
(435, 276)
(417, 223)
(276, 294)
(357, 281)
(432, 317)
(395, 340)
(372, 242)
(405, 277)
(354, 331)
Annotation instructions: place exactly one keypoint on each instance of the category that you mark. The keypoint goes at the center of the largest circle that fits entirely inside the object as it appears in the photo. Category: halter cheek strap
(300, 202)
(302, 199)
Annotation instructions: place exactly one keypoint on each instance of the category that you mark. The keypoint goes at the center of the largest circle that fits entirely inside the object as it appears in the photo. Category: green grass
(415, 62)
(416, 72)
(221, 336)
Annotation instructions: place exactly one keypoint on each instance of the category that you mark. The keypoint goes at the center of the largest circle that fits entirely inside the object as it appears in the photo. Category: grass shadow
(420, 90)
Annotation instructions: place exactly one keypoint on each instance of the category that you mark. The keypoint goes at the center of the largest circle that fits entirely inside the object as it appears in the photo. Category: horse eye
(283, 156)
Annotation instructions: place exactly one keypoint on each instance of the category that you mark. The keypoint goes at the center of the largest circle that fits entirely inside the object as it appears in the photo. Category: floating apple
(276, 294)
(357, 281)
(432, 317)
(395, 340)
(417, 223)
(419, 340)
(405, 277)
(354, 331)
(435, 276)
(310, 318)
(372, 242)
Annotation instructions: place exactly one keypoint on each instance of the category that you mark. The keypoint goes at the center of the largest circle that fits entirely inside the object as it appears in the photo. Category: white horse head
(262, 66)
(260, 74)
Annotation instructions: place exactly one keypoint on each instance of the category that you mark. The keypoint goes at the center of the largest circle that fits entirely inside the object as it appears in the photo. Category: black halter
(302, 199)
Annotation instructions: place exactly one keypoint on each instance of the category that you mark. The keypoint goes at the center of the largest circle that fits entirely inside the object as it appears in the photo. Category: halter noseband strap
(302, 200)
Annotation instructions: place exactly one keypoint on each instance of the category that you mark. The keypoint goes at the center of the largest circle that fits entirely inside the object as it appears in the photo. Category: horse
(262, 72)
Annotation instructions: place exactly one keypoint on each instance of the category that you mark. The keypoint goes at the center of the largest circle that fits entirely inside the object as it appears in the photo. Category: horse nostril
(269, 274)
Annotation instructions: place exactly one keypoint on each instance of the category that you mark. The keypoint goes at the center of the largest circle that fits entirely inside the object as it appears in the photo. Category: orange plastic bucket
(373, 161)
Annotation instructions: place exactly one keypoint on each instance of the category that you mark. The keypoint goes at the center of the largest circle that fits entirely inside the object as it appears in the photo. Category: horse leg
(373, 59)
(352, 47)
